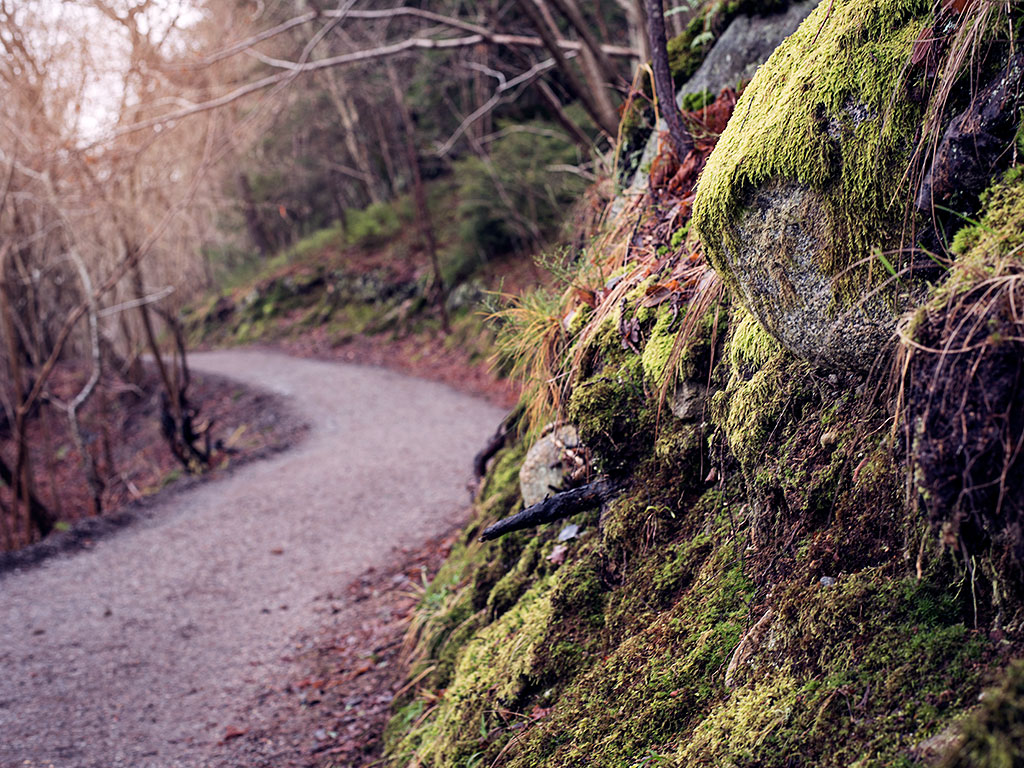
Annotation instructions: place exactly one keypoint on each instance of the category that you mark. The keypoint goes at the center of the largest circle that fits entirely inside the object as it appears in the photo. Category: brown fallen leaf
(231, 732)
(922, 46)
(557, 555)
(957, 6)
(586, 297)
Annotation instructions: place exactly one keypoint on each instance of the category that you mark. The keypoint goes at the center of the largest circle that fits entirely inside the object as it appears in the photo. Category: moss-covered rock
(764, 591)
(800, 191)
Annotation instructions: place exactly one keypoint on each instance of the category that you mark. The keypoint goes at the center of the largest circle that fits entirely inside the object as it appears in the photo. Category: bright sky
(89, 52)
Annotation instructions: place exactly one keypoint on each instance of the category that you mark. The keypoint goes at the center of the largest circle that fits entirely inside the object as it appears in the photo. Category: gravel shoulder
(136, 652)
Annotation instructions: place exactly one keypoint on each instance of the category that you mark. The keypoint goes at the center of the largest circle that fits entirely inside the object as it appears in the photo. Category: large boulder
(799, 207)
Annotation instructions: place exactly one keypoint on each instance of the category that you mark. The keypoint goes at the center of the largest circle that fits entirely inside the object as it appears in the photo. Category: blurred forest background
(180, 171)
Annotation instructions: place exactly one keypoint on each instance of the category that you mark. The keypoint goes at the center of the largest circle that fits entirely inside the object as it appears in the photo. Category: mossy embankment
(368, 274)
(762, 594)
(782, 580)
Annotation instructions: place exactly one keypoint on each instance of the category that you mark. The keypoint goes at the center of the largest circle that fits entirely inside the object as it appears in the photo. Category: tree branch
(526, 77)
(554, 508)
(488, 35)
(605, 122)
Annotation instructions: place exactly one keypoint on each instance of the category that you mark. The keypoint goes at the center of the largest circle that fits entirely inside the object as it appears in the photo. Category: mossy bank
(787, 578)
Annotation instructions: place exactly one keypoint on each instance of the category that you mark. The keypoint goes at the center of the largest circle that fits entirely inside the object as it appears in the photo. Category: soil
(963, 402)
(121, 428)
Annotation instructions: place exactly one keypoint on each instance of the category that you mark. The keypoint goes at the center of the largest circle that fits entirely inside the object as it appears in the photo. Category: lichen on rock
(801, 190)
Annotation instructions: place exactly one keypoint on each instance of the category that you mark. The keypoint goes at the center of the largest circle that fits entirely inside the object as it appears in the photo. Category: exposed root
(964, 413)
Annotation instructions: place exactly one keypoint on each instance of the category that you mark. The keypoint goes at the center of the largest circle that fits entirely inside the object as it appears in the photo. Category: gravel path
(135, 652)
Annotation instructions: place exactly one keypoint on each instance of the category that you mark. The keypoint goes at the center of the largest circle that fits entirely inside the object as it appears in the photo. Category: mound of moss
(762, 594)
(770, 587)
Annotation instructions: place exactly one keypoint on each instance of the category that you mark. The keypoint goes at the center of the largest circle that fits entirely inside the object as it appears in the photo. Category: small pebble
(827, 581)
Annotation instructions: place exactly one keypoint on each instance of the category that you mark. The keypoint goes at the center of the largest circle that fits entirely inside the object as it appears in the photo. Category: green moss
(751, 347)
(642, 691)
(492, 671)
(993, 737)
(618, 656)
(514, 583)
(827, 112)
(610, 407)
(990, 246)
(687, 50)
(658, 348)
(499, 496)
(752, 410)
(856, 673)
(694, 101)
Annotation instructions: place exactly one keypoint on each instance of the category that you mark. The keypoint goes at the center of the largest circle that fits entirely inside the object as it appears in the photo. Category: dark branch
(495, 444)
(664, 88)
(554, 508)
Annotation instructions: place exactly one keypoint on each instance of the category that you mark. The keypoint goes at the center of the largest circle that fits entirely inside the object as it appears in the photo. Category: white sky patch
(87, 54)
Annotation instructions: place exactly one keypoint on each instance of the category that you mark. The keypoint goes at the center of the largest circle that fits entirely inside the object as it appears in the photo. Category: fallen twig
(554, 508)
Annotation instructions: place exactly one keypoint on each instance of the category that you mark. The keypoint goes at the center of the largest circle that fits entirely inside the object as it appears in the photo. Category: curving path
(134, 653)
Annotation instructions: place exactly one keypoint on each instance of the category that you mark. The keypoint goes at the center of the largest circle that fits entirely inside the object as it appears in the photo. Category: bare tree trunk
(663, 86)
(439, 295)
(385, 150)
(38, 514)
(10, 534)
(58, 507)
(608, 124)
(253, 223)
(132, 368)
(601, 90)
(357, 150)
(174, 416)
(20, 480)
(571, 11)
(637, 16)
(88, 462)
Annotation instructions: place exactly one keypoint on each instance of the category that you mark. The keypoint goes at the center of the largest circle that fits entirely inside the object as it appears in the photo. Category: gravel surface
(136, 652)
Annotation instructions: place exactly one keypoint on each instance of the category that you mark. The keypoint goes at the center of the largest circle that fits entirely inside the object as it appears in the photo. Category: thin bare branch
(132, 304)
(521, 80)
(390, 13)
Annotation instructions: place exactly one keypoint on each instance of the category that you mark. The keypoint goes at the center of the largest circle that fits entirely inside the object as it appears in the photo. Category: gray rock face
(545, 465)
(742, 48)
(687, 402)
(735, 56)
(777, 271)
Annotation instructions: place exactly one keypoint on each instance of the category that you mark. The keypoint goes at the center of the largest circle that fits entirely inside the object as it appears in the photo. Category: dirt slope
(134, 652)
